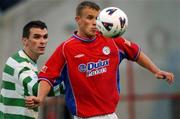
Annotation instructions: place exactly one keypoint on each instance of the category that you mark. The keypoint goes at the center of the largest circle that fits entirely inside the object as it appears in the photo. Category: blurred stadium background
(153, 24)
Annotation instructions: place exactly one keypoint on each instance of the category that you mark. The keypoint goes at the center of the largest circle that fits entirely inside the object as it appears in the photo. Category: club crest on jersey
(106, 50)
(94, 68)
(44, 68)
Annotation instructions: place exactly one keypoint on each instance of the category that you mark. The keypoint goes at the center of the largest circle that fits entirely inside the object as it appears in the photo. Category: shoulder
(69, 43)
(121, 42)
(15, 60)
(19, 61)
(18, 57)
(15, 64)
(59, 51)
(119, 39)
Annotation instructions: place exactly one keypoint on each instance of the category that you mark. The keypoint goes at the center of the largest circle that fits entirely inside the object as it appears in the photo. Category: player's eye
(37, 36)
(45, 36)
(90, 17)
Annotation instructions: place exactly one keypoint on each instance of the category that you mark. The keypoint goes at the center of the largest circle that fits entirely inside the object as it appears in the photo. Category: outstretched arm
(146, 62)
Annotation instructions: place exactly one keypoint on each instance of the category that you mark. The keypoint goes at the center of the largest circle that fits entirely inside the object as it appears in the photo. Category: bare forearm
(44, 88)
(146, 62)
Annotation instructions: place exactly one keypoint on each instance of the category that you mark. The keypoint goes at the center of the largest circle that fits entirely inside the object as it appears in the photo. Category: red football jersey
(90, 71)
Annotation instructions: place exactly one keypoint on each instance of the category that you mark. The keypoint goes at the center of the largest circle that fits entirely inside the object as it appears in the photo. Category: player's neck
(31, 55)
(83, 35)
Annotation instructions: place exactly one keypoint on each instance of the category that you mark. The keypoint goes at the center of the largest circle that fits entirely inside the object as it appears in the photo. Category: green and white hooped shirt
(19, 79)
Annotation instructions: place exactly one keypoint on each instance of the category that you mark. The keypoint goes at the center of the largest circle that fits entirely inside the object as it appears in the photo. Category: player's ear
(24, 41)
(77, 18)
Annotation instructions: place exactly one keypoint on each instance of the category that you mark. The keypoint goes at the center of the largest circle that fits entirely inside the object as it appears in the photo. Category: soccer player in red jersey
(89, 65)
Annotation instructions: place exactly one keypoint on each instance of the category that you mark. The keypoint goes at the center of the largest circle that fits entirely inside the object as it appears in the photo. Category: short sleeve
(53, 67)
(127, 49)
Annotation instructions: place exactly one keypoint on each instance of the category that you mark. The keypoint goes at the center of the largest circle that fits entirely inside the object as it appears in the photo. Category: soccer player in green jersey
(19, 78)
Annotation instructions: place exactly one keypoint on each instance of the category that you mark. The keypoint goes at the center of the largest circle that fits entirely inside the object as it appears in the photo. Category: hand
(169, 77)
(32, 101)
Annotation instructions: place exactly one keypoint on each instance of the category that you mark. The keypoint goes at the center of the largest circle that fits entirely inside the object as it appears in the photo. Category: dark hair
(84, 4)
(32, 24)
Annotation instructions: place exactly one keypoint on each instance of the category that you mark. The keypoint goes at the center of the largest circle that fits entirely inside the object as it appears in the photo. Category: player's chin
(41, 52)
(94, 30)
(92, 33)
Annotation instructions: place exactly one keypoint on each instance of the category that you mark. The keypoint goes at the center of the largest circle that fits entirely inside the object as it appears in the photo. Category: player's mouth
(94, 29)
(42, 48)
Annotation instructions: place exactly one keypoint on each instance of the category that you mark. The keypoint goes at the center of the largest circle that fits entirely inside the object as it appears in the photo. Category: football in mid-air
(112, 22)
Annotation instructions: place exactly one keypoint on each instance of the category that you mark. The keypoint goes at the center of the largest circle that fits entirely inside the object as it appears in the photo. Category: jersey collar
(23, 54)
(83, 39)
